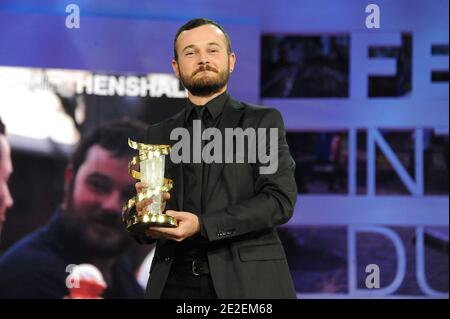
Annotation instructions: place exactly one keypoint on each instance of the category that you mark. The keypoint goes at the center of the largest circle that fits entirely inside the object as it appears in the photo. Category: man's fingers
(181, 216)
(140, 186)
(140, 206)
(166, 196)
(174, 214)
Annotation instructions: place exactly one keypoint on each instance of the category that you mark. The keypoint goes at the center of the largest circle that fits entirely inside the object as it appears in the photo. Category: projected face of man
(94, 202)
(6, 200)
(204, 63)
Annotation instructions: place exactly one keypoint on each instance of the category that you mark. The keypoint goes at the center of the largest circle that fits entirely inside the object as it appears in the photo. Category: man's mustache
(206, 67)
(111, 219)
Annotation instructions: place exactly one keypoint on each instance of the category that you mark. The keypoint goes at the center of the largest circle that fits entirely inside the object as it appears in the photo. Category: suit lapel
(232, 113)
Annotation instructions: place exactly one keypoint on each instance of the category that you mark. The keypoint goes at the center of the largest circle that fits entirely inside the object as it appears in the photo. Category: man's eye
(99, 187)
(189, 53)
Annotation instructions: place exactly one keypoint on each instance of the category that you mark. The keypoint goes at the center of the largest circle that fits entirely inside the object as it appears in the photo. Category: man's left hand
(188, 225)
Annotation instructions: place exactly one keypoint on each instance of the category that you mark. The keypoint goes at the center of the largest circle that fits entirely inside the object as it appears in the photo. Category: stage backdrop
(362, 87)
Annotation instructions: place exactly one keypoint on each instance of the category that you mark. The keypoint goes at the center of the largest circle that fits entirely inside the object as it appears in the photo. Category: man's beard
(78, 224)
(205, 85)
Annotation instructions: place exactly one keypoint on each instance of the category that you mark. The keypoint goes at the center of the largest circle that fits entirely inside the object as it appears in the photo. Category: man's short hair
(194, 23)
(111, 136)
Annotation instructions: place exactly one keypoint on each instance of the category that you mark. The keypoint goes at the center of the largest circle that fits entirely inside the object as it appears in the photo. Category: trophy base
(139, 224)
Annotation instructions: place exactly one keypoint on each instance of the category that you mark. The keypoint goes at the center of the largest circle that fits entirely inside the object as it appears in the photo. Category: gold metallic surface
(138, 222)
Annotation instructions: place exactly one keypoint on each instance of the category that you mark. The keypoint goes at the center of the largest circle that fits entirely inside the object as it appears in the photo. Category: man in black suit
(226, 244)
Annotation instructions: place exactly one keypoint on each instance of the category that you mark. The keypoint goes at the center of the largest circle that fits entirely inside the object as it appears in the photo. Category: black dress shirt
(195, 174)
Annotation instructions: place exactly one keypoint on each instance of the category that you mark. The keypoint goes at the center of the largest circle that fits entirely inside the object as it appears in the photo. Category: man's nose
(202, 58)
(112, 202)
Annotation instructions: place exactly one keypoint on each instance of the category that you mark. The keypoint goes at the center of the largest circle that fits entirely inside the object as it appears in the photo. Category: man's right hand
(142, 205)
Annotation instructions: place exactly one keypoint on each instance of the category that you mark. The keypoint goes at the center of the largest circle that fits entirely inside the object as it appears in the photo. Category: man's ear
(232, 61)
(175, 68)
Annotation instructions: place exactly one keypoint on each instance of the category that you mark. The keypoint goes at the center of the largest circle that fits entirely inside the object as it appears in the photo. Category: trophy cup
(151, 159)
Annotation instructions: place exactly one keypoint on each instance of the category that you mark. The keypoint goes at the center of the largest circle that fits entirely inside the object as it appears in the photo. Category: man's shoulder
(253, 109)
(31, 252)
(32, 269)
(258, 114)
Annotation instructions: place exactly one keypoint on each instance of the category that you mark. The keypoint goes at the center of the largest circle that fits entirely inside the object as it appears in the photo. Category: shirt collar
(215, 106)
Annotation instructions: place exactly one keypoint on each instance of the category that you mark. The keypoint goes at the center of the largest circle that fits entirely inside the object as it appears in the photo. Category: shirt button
(167, 260)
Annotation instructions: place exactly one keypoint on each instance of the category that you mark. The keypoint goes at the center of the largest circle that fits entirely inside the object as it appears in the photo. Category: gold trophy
(151, 160)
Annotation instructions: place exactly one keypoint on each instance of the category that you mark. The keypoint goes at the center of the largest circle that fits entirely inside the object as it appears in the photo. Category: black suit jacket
(241, 211)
